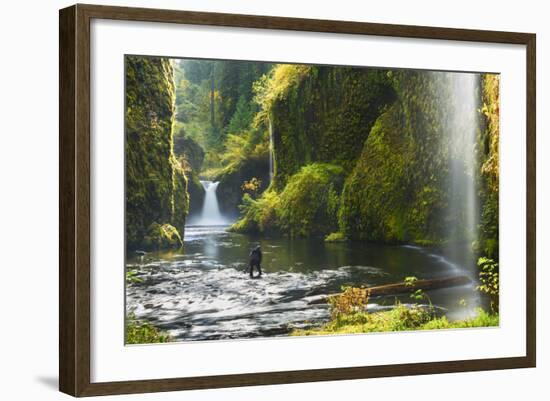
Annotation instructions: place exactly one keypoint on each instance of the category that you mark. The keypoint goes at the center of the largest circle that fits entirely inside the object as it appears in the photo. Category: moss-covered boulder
(162, 236)
(310, 200)
(335, 237)
(308, 205)
(259, 216)
(156, 185)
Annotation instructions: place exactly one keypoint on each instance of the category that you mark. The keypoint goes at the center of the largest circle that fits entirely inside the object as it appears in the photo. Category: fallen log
(404, 288)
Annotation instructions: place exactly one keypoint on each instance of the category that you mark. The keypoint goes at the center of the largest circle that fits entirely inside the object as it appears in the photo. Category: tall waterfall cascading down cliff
(462, 125)
(211, 215)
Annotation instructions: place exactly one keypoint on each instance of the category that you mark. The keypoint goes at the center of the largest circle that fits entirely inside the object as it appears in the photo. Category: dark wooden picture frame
(74, 202)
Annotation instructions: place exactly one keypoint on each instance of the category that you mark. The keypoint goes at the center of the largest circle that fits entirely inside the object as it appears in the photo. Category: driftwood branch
(403, 288)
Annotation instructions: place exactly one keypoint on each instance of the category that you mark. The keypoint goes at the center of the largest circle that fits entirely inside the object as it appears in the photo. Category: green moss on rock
(324, 115)
(307, 206)
(162, 236)
(310, 200)
(259, 215)
(398, 191)
(489, 192)
(335, 237)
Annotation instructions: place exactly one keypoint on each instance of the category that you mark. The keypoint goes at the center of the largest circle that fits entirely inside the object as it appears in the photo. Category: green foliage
(236, 150)
(235, 81)
(335, 237)
(416, 294)
(162, 236)
(132, 276)
(197, 71)
(307, 201)
(306, 206)
(349, 314)
(489, 192)
(139, 332)
(410, 281)
(242, 118)
(259, 215)
(482, 319)
(215, 98)
(489, 280)
(277, 85)
(156, 186)
(401, 318)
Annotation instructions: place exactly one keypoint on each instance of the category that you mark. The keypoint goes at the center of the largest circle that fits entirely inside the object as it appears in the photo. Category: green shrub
(401, 318)
(335, 237)
(132, 276)
(489, 280)
(306, 207)
(139, 332)
(258, 215)
(308, 201)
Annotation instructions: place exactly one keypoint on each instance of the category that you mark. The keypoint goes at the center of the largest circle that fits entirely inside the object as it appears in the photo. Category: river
(203, 291)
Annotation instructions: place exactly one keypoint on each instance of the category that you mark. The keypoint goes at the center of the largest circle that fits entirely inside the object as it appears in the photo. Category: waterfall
(271, 166)
(211, 215)
(463, 124)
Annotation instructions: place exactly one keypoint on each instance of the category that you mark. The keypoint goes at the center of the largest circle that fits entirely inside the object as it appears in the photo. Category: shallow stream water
(203, 292)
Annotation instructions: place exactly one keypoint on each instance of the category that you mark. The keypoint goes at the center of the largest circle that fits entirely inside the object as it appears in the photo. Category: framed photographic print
(250, 200)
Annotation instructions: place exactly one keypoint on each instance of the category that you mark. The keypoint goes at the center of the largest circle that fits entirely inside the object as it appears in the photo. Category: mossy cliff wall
(156, 186)
(489, 155)
(191, 157)
(319, 118)
(324, 115)
(407, 143)
(399, 188)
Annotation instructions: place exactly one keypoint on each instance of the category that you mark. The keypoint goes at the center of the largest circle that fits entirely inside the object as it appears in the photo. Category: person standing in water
(255, 261)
